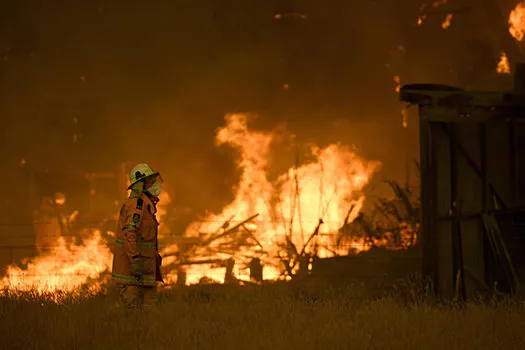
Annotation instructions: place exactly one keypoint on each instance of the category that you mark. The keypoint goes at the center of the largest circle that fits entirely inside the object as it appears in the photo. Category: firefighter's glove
(137, 268)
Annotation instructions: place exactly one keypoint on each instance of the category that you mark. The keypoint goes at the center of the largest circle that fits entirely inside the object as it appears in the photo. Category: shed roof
(451, 104)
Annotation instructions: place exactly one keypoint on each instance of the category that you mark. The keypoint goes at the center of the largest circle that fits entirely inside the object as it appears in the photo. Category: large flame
(288, 209)
(65, 267)
(517, 21)
(303, 211)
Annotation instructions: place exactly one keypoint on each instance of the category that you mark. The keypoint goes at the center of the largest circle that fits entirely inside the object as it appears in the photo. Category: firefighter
(136, 261)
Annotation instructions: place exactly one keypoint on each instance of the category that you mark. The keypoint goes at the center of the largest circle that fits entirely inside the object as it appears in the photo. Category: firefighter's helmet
(141, 172)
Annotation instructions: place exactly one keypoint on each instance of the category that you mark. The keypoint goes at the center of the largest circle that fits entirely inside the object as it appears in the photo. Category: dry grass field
(271, 317)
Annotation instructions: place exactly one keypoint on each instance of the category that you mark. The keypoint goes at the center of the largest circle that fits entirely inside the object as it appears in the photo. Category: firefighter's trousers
(137, 297)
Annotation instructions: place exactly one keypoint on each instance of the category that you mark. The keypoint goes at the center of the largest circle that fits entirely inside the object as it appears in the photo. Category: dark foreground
(275, 317)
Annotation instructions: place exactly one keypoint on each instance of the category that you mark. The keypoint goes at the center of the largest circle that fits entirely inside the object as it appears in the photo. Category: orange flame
(447, 22)
(288, 209)
(64, 268)
(503, 64)
(290, 206)
(397, 80)
(517, 21)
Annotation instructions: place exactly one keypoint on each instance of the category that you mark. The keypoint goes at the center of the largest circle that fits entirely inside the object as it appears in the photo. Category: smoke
(88, 84)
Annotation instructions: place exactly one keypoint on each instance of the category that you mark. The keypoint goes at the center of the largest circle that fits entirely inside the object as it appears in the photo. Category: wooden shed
(472, 153)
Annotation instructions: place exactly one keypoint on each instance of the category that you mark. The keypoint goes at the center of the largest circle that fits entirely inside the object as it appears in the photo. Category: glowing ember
(288, 209)
(404, 120)
(290, 15)
(517, 21)
(64, 268)
(503, 64)
(397, 80)
(448, 20)
(421, 19)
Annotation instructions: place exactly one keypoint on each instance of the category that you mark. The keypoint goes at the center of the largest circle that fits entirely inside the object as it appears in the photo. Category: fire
(404, 120)
(65, 268)
(517, 21)
(448, 19)
(397, 80)
(503, 64)
(299, 214)
(447, 22)
(288, 210)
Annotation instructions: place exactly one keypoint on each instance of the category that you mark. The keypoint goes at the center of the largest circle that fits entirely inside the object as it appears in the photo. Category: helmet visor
(155, 178)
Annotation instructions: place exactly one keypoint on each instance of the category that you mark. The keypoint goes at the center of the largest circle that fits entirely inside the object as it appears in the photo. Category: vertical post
(514, 180)
(485, 193)
(455, 206)
(458, 256)
(519, 77)
(256, 270)
(181, 277)
(229, 276)
(428, 208)
(516, 191)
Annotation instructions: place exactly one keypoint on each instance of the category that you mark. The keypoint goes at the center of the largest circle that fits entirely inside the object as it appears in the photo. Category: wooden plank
(442, 197)
(469, 193)
(469, 115)
(427, 240)
(453, 99)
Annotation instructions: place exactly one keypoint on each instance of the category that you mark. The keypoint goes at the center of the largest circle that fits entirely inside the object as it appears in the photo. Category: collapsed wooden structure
(472, 151)
(398, 214)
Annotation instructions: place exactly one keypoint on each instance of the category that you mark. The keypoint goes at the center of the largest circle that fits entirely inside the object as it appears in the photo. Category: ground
(273, 317)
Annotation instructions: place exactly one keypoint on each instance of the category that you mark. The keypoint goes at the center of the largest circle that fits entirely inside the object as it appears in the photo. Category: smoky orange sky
(88, 84)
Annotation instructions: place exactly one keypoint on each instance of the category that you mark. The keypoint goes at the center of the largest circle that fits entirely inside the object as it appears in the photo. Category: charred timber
(229, 231)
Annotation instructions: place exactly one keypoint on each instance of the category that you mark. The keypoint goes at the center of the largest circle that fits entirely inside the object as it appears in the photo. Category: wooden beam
(412, 94)
(429, 265)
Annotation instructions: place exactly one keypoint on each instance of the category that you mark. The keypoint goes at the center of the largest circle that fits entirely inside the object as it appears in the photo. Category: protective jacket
(137, 239)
